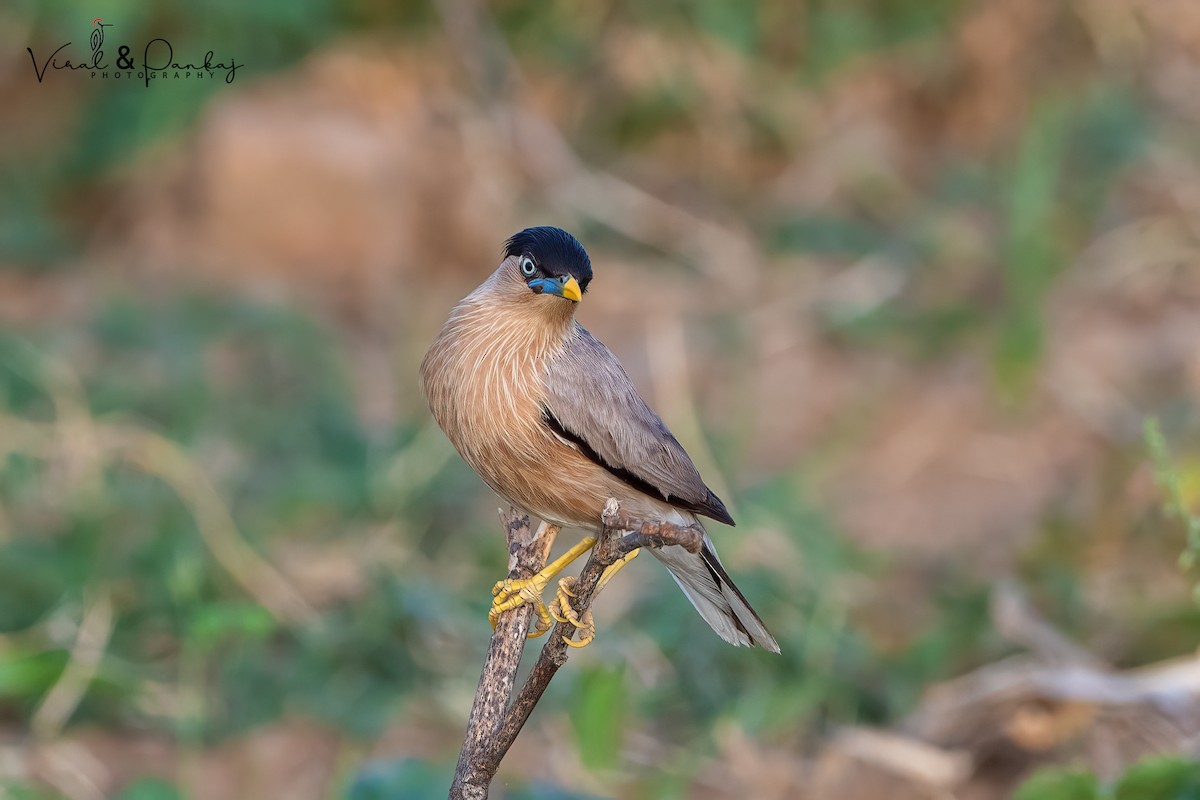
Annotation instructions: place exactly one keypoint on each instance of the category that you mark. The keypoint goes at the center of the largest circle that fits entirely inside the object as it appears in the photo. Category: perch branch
(527, 553)
(620, 535)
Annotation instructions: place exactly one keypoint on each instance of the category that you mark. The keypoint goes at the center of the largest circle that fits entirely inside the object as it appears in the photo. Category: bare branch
(620, 535)
(527, 555)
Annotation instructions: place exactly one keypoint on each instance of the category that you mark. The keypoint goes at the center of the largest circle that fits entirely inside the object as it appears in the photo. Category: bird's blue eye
(528, 267)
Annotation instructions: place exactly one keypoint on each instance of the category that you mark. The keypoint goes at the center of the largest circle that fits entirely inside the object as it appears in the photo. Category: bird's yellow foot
(513, 593)
(509, 594)
(562, 611)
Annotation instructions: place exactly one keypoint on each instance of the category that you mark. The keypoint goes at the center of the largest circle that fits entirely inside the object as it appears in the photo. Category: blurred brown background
(908, 279)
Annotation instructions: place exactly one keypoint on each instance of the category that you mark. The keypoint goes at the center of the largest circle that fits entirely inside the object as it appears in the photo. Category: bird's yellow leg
(510, 593)
(561, 608)
(615, 567)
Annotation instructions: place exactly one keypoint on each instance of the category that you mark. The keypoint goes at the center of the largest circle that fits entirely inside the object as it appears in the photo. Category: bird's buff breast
(486, 394)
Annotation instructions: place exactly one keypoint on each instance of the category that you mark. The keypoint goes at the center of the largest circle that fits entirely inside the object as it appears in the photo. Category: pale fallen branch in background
(1062, 699)
(86, 445)
(162, 458)
(1017, 621)
(91, 640)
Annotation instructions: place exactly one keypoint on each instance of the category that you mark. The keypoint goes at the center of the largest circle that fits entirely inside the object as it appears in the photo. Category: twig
(156, 455)
(527, 554)
(619, 536)
(87, 445)
(1015, 619)
(91, 641)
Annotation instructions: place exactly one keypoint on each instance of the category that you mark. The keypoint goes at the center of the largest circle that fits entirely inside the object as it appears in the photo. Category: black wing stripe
(643, 486)
(712, 507)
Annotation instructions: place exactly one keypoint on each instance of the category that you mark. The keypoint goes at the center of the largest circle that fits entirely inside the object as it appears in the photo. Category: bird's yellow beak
(563, 286)
(570, 290)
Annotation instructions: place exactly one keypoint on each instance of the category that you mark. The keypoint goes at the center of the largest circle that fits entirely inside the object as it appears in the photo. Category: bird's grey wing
(591, 403)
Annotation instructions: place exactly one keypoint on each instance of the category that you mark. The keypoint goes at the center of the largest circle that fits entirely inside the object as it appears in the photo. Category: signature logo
(158, 61)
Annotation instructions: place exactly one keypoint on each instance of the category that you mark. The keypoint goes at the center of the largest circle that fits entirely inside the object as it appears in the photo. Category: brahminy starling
(552, 423)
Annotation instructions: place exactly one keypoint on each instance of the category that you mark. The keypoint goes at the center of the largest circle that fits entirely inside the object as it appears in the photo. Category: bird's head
(549, 262)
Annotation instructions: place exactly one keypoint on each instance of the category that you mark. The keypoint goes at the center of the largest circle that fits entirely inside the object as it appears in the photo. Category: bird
(549, 419)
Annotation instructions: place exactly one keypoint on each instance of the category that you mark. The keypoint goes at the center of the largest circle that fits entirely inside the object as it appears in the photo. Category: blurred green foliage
(1170, 480)
(1156, 778)
(410, 779)
(599, 715)
(397, 780)
(150, 789)
(1060, 784)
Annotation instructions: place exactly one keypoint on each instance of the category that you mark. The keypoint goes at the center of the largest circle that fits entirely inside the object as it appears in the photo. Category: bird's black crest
(555, 252)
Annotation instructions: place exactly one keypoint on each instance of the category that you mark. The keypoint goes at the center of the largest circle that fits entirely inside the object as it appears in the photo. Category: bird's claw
(561, 610)
(514, 593)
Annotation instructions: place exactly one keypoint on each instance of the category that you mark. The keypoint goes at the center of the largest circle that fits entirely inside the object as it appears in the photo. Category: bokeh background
(907, 278)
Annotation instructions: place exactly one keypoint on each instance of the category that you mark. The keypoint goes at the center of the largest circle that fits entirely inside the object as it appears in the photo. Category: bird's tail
(712, 592)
